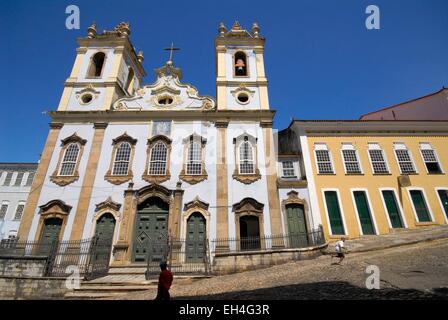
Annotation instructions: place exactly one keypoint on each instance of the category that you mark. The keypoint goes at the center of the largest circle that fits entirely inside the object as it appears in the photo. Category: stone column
(176, 212)
(271, 179)
(88, 182)
(222, 193)
(122, 249)
(39, 178)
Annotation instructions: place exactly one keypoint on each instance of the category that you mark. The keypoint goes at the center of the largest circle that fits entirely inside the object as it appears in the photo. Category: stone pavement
(395, 239)
(417, 271)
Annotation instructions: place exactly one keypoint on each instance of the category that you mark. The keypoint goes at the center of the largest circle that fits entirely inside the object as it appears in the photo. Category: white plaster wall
(109, 61)
(96, 104)
(254, 99)
(238, 190)
(70, 193)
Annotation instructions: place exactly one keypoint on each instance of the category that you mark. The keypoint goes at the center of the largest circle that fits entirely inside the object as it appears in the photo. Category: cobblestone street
(418, 271)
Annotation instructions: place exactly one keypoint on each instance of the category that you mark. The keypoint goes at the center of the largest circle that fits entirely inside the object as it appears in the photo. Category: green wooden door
(295, 215)
(151, 232)
(363, 209)
(420, 206)
(196, 233)
(443, 194)
(392, 208)
(105, 227)
(334, 212)
(50, 234)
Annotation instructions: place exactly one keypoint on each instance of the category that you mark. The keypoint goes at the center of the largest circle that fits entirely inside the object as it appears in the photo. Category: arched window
(69, 160)
(157, 162)
(96, 64)
(194, 158)
(129, 86)
(240, 64)
(122, 158)
(247, 165)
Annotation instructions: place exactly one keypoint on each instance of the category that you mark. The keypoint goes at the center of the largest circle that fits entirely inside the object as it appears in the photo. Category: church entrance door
(151, 231)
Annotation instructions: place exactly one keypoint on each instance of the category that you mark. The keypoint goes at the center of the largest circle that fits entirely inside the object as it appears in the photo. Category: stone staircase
(121, 281)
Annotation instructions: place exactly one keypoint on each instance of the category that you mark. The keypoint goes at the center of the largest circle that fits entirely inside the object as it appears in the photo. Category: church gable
(166, 93)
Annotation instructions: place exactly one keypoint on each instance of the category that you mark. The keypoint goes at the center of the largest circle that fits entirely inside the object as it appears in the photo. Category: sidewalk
(400, 238)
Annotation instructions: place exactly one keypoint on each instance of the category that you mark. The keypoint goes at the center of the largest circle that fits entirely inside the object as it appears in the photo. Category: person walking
(165, 281)
(340, 250)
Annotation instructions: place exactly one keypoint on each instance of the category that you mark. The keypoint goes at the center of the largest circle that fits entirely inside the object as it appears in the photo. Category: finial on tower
(236, 26)
(222, 29)
(140, 56)
(91, 31)
(124, 29)
(255, 30)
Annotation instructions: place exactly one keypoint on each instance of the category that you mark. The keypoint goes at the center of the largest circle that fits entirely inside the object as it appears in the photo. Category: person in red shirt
(165, 281)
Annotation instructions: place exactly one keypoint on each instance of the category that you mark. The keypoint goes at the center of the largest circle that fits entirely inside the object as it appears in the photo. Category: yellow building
(370, 177)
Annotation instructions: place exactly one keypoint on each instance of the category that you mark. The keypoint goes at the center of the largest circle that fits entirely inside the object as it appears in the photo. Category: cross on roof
(171, 49)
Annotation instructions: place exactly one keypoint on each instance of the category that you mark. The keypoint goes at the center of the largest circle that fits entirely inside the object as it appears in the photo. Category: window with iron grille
(288, 169)
(324, 164)
(351, 161)
(19, 211)
(405, 161)
(157, 163)
(122, 158)
(247, 165)
(19, 179)
(378, 161)
(194, 158)
(3, 210)
(69, 161)
(8, 179)
(29, 180)
(431, 162)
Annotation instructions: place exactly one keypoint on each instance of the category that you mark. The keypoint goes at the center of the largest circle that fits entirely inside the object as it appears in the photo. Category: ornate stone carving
(196, 203)
(193, 179)
(117, 180)
(246, 178)
(248, 205)
(64, 180)
(73, 138)
(108, 204)
(55, 207)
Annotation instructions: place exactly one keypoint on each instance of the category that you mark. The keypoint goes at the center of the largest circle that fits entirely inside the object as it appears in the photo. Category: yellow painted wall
(373, 182)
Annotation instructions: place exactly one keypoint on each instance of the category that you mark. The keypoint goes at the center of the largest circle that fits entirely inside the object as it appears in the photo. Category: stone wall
(21, 288)
(224, 263)
(22, 266)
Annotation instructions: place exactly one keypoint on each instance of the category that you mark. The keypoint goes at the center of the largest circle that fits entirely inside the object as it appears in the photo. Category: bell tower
(241, 82)
(106, 68)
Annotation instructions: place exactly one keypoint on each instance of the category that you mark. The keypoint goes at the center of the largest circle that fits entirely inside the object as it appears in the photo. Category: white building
(137, 162)
(15, 185)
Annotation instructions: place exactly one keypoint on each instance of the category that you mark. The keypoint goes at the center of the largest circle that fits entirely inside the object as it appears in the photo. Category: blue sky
(321, 61)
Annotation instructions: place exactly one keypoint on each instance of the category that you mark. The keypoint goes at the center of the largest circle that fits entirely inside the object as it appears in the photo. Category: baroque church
(136, 163)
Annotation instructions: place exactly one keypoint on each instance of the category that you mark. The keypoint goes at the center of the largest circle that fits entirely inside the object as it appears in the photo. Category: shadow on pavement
(332, 290)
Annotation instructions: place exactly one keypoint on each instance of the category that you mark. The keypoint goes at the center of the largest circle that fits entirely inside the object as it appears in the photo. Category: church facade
(134, 162)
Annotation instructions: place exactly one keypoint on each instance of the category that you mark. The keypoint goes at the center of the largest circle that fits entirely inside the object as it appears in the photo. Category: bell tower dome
(241, 82)
(106, 68)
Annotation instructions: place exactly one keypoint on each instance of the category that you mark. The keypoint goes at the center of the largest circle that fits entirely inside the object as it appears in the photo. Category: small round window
(86, 98)
(243, 98)
(165, 101)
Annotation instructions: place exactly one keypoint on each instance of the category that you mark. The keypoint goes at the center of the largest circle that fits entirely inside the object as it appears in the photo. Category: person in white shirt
(339, 247)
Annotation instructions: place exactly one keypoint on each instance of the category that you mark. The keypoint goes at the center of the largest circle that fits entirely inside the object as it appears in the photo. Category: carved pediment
(125, 137)
(108, 204)
(196, 203)
(73, 138)
(55, 206)
(248, 205)
(156, 190)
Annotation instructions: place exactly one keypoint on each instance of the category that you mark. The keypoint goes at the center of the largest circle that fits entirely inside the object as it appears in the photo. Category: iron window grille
(247, 165)
(157, 163)
(69, 161)
(122, 158)
(194, 158)
(19, 211)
